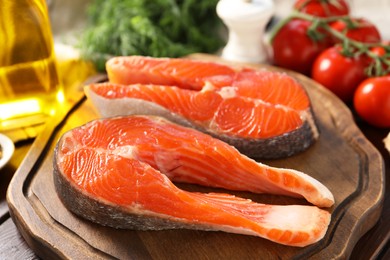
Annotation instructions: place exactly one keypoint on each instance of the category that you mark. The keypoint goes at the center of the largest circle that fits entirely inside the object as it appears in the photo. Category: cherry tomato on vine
(381, 52)
(378, 50)
(359, 29)
(322, 8)
(372, 101)
(339, 73)
(294, 49)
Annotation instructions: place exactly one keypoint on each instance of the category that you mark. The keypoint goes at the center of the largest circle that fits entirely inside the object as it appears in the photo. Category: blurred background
(69, 17)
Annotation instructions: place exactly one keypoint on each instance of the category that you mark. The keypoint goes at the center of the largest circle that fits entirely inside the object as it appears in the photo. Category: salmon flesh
(264, 114)
(119, 172)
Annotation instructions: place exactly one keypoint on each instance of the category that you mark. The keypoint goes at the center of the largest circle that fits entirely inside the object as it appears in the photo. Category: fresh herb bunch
(158, 28)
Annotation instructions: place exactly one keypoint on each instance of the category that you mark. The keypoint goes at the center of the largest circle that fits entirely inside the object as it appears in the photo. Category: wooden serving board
(342, 159)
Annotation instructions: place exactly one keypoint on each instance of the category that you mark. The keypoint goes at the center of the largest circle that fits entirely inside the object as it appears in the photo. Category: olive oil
(29, 85)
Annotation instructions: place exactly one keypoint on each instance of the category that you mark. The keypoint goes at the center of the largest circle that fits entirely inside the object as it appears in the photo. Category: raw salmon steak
(119, 171)
(264, 114)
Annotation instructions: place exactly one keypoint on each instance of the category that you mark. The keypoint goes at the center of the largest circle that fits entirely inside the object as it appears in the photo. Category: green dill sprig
(160, 28)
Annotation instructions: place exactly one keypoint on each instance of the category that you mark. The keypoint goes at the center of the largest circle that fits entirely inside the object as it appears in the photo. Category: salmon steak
(120, 172)
(264, 114)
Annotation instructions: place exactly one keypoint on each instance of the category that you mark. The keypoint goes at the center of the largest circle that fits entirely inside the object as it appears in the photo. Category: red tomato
(380, 51)
(322, 8)
(294, 49)
(362, 31)
(372, 101)
(339, 73)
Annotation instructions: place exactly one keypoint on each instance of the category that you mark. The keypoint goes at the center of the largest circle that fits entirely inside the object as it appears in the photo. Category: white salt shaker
(246, 22)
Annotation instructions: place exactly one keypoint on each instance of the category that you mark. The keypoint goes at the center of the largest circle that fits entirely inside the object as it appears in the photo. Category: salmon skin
(118, 172)
(264, 114)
